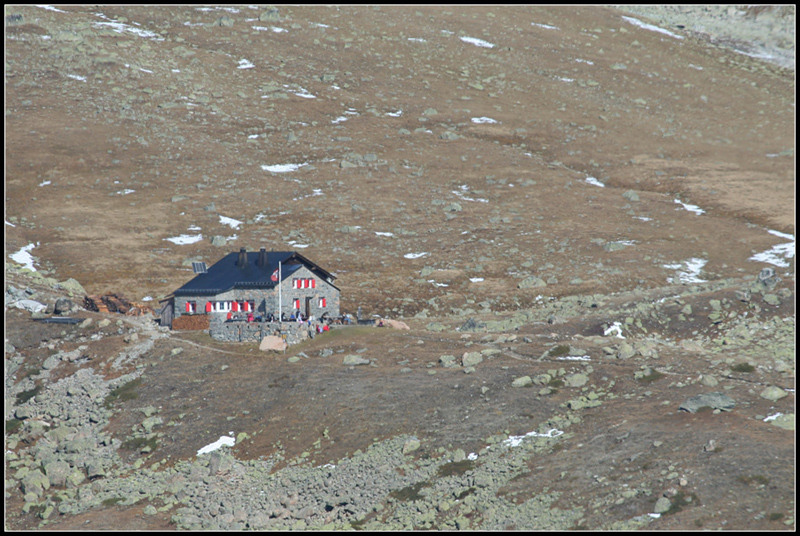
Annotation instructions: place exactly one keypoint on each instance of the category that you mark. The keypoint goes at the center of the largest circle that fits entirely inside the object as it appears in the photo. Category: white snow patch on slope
(652, 28)
(283, 168)
(778, 255)
(477, 42)
(24, 257)
(184, 239)
(230, 221)
(223, 441)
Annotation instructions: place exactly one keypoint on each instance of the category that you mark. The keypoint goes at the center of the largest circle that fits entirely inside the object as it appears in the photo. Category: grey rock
(35, 482)
(662, 505)
(72, 286)
(224, 21)
(270, 15)
(625, 351)
(715, 400)
(631, 195)
(523, 381)
(470, 359)
(784, 421)
(576, 380)
(353, 359)
(472, 325)
(57, 472)
(410, 445)
(218, 240)
(773, 393)
(532, 281)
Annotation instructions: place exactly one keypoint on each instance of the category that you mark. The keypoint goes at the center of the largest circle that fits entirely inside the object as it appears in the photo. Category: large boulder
(396, 324)
(63, 305)
(714, 400)
(272, 342)
(353, 359)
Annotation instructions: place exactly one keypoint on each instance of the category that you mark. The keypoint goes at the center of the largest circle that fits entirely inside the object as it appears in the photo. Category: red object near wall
(208, 307)
(246, 306)
(235, 307)
(313, 283)
(188, 307)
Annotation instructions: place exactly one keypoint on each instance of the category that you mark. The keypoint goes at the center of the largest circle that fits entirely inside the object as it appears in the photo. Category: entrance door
(308, 308)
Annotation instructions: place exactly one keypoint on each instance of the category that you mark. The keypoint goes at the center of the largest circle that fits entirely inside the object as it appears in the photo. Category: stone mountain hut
(258, 282)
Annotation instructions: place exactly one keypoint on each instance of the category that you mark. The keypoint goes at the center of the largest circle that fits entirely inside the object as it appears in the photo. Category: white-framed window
(321, 302)
(191, 306)
(296, 303)
(222, 306)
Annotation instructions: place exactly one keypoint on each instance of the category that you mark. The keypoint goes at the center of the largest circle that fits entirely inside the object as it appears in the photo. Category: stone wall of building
(267, 299)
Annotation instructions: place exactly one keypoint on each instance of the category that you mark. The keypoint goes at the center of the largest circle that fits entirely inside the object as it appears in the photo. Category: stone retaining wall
(241, 331)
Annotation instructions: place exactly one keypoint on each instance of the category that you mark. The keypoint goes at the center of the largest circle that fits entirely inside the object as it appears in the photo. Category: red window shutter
(235, 307)
(323, 302)
(246, 308)
(208, 307)
(313, 283)
(188, 307)
(297, 304)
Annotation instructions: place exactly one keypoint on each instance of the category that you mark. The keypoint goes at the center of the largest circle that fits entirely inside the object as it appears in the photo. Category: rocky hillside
(584, 215)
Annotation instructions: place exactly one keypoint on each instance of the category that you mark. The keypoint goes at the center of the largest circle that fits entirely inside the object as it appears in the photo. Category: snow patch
(615, 328)
(477, 42)
(574, 358)
(245, 64)
(230, 221)
(778, 255)
(51, 8)
(24, 257)
(482, 120)
(595, 182)
(223, 441)
(688, 271)
(415, 255)
(185, 239)
(515, 441)
(283, 168)
(652, 28)
(120, 28)
(691, 208)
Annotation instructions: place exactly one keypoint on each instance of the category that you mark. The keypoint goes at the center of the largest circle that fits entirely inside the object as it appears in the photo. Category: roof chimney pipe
(242, 258)
(262, 258)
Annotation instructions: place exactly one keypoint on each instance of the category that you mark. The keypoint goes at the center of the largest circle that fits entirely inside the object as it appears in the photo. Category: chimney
(262, 258)
(242, 258)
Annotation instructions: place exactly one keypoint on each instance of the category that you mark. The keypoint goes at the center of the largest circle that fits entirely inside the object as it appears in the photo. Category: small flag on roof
(275, 275)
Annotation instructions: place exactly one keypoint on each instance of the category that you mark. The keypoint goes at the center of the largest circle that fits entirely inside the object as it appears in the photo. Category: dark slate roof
(226, 274)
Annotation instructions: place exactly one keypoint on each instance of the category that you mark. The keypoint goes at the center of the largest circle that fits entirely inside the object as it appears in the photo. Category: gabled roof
(228, 274)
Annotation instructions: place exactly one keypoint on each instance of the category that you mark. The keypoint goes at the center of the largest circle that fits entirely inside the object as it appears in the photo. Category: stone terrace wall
(294, 332)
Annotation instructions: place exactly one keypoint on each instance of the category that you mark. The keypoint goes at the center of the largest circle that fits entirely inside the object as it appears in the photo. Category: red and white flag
(275, 275)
